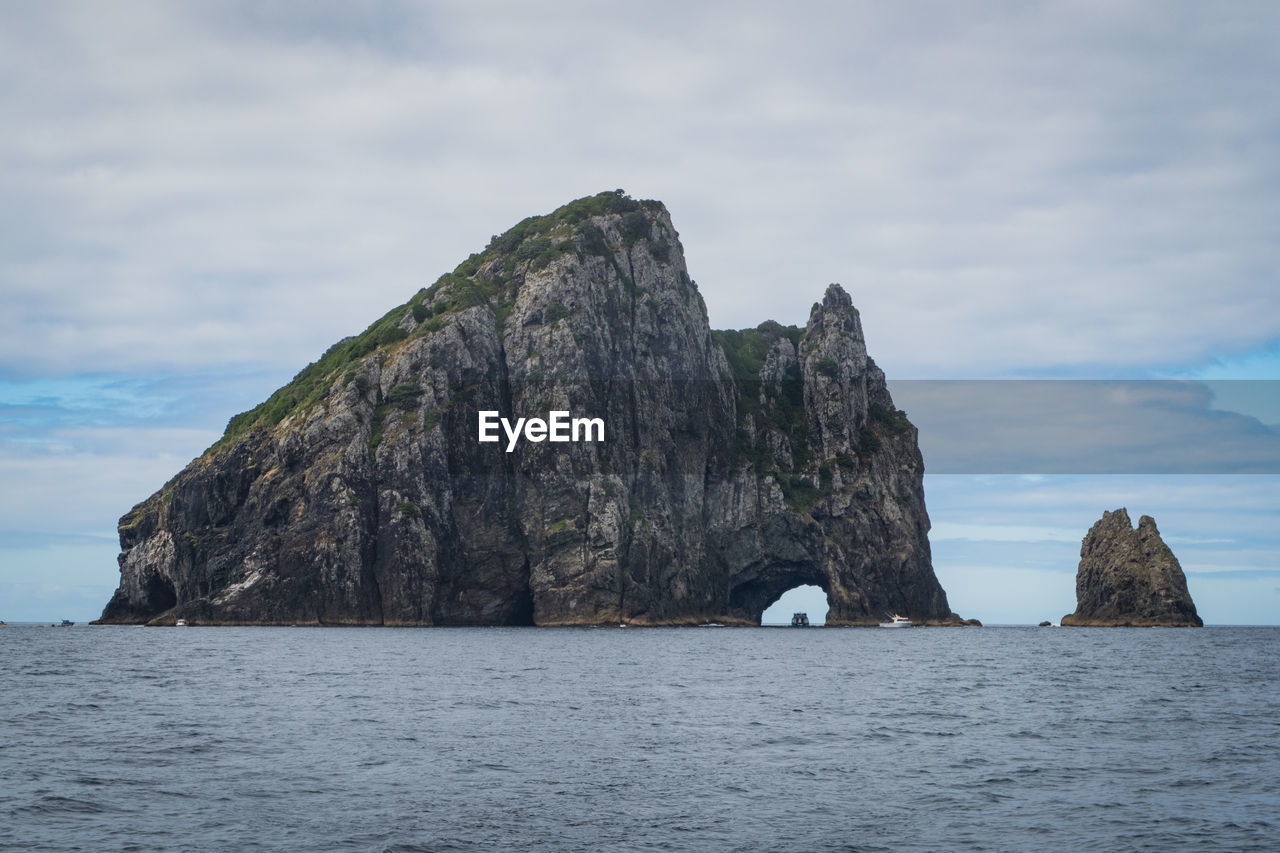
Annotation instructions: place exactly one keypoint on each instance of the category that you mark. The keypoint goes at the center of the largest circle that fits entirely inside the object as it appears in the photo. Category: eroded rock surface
(1129, 577)
(736, 465)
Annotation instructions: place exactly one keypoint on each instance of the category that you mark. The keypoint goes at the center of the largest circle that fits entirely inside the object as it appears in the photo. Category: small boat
(181, 623)
(66, 623)
(800, 620)
(897, 622)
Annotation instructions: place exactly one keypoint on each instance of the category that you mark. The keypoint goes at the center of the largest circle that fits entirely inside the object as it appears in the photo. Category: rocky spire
(1129, 577)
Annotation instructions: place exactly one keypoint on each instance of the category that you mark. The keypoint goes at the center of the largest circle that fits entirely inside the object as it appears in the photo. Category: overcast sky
(196, 199)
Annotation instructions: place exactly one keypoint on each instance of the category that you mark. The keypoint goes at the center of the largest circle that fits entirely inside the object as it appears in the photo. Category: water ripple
(436, 740)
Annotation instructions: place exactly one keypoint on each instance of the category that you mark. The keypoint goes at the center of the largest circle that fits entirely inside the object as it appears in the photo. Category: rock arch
(750, 597)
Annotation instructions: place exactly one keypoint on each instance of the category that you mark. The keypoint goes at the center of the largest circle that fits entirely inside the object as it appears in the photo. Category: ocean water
(639, 739)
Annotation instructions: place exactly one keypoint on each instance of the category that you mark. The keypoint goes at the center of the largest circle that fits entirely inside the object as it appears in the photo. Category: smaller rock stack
(1130, 578)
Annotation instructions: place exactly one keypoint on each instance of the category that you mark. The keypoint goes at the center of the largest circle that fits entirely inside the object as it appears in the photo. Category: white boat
(897, 622)
(181, 623)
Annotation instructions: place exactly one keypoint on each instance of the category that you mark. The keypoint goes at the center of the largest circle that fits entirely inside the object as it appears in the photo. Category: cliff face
(734, 465)
(1129, 577)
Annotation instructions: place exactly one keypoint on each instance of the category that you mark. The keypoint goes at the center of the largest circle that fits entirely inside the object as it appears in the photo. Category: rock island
(1129, 578)
(734, 465)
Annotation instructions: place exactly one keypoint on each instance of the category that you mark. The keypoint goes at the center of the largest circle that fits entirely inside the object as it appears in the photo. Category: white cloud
(1000, 595)
(1001, 533)
(83, 479)
(1085, 427)
(1003, 189)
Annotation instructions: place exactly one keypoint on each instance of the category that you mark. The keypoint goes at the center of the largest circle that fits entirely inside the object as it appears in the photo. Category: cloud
(31, 410)
(1240, 508)
(190, 186)
(1000, 533)
(1239, 574)
(80, 480)
(47, 602)
(1008, 595)
(29, 539)
(1085, 427)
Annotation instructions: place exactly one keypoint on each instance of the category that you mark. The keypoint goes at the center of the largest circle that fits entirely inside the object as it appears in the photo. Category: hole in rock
(160, 595)
(801, 599)
(522, 609)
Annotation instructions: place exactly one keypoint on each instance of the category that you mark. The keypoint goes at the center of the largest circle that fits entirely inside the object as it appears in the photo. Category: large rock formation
(736, 465)
(1130, 578)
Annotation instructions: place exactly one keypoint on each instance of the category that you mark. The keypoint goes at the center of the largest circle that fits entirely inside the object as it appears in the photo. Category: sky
(197, 199)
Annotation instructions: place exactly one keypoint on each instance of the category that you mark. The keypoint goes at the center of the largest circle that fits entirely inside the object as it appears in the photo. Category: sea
(619, 739)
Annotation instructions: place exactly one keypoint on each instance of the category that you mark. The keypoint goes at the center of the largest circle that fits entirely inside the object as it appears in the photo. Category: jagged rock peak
(733, 465)
(1130, 577)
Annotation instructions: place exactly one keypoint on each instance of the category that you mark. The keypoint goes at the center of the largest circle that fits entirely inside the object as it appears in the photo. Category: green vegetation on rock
(781, 412)
(799, 492)
(313, 382)
(404, 396)
(745, 349)
(554, 312)
(531, 244)
(828, 367)
(777, 408)
(376, 428)
(894, 419)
